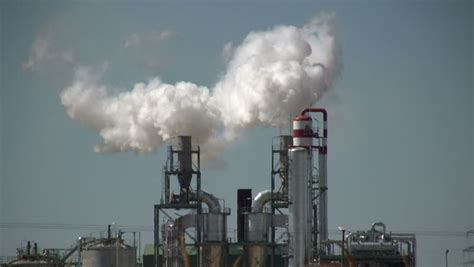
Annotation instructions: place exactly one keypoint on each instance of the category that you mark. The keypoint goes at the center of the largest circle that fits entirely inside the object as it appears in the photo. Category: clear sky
(401, 114)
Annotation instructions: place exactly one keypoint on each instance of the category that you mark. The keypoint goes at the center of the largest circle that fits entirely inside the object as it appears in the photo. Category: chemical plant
(286, 225)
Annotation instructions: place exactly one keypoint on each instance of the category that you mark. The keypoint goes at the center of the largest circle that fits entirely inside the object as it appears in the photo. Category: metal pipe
(211, 201)
(325, 118)
(322, 159)
(263, 198)
(381, 224)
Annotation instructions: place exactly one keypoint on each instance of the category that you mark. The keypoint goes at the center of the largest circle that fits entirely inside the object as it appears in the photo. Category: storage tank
(31, 257)
(111, 253)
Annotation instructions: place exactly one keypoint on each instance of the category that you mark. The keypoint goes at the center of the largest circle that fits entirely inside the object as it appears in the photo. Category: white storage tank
(107, 253)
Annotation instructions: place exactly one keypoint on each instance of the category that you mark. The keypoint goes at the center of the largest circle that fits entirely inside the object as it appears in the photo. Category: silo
(106, 252)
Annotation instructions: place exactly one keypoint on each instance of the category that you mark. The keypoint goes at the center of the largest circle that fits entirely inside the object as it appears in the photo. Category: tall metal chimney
(307, 231)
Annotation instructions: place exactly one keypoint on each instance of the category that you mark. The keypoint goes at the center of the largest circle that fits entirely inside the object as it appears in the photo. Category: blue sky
(401, 114)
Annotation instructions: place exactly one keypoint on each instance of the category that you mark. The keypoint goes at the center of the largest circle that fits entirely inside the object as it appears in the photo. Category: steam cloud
(270, 77)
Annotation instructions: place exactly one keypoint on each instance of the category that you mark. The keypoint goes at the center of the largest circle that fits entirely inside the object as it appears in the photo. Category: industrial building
(286, 225)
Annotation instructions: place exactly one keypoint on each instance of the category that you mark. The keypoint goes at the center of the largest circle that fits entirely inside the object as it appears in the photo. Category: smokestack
(28, 248)
(109, 233)
(35, 249)
(244, 204)
(185, 165)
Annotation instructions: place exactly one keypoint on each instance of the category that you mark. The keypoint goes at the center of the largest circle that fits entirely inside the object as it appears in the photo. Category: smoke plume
(270, 77)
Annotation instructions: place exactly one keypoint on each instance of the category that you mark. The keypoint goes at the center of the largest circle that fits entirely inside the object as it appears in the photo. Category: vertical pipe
(167, 188)
(157, 235)
(323, 197)
(140, 245)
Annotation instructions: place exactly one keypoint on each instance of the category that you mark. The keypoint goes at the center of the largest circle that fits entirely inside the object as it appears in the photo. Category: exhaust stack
(307, 195)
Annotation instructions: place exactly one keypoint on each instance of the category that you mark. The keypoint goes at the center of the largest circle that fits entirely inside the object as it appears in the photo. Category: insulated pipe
(211, 201)
(263, 198)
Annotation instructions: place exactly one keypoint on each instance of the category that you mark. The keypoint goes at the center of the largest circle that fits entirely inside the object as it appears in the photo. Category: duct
(211, 201)
(263, 198)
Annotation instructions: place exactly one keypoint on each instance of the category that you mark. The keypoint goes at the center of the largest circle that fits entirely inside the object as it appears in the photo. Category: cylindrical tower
(302, 131)
(300, 206)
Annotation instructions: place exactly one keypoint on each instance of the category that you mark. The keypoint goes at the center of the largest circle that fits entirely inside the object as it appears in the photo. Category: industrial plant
(286, 225)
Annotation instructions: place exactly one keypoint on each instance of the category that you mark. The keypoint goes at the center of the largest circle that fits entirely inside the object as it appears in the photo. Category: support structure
(182, 153)
(209, 225)
(279, 183)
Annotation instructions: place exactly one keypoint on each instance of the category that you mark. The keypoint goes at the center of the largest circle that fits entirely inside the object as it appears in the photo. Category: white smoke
(269, 78)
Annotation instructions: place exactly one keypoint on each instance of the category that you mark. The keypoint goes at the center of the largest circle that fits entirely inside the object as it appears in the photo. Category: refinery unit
(286, 225)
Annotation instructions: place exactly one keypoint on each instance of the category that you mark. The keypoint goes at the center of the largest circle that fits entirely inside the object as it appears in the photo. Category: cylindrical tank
(214, 228)
(214, 235)
(299, 207)
(257, 234)
(302, 131)
(257, 229)
(108, 254)
(31, 257)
